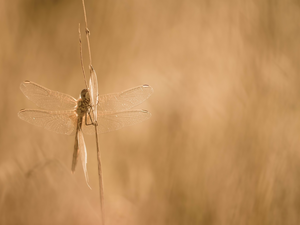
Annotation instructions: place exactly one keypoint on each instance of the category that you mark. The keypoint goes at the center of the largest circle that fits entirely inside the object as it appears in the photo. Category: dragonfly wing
(47, 99)
(124, 100)
(114, 121)
(93, 89)
(83, 156)
(62, 122)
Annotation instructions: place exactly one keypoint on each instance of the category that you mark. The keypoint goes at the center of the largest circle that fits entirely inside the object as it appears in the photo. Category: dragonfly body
(64, 114)
(82, 108)
(83, 103)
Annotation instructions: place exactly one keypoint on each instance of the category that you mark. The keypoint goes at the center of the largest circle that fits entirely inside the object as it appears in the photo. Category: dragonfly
(63, 114)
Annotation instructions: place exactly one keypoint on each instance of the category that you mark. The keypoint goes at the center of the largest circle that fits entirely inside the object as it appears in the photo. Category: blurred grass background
(222, 146)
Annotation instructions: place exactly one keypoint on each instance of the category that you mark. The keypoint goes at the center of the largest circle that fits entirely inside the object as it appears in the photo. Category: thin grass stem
(100, 174)
(81, 57)
(101, 190)
(87, 31)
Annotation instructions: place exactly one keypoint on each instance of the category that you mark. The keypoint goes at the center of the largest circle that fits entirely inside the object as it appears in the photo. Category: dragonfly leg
(92, 122)
(86, 123)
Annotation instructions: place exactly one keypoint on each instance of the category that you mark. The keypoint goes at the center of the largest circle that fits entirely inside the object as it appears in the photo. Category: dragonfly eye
(87, 95)
(84, 94)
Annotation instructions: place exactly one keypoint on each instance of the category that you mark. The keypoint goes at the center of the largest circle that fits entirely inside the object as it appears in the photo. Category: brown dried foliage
(222, 144)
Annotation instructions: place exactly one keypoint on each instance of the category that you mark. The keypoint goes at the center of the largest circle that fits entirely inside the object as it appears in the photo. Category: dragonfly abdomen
(76, 144)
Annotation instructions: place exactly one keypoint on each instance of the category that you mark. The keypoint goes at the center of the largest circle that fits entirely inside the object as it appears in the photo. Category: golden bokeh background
(222, 145)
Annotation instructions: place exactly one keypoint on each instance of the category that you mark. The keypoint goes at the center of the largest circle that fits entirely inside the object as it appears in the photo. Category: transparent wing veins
(62, 122)
(45, 98)
(124, 100)
(93, 90)
(108, 122)
(83, 156)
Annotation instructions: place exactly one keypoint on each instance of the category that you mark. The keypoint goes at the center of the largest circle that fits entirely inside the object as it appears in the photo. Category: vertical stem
(87, 31)
(101, 190)
(81, 57)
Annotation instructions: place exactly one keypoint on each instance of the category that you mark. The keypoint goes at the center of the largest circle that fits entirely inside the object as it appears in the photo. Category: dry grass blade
(81, 57)
(94, 91)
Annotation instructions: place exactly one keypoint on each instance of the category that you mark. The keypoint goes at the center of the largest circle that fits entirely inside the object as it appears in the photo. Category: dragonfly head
(85, 94)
